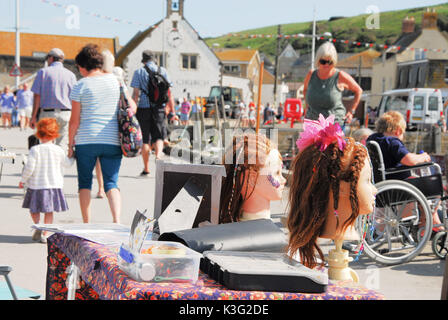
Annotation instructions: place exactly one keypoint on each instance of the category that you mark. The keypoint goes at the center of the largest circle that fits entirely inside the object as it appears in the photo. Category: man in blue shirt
(51, 89)
(150, 118)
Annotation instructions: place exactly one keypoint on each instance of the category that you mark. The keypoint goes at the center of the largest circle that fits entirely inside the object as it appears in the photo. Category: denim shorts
(110, 158)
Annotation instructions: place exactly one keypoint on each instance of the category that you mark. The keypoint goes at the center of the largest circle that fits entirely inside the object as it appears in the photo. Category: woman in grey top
(323, 87)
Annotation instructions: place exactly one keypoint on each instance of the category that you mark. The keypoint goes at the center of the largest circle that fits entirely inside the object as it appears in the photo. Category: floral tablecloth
(101, 278)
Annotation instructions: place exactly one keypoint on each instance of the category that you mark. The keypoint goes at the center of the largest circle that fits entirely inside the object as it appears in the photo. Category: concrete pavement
(418, 279)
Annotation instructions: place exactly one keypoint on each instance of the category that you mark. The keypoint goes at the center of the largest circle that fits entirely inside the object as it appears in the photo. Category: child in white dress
(43, 176)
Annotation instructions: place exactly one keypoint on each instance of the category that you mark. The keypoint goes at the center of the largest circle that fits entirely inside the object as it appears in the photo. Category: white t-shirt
(44, 167)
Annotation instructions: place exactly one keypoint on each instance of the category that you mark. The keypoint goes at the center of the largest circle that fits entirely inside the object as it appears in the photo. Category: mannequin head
(253, 177)
(330, 187)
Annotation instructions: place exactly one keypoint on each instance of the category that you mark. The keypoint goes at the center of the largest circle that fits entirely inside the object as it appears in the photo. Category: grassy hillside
(349, 28)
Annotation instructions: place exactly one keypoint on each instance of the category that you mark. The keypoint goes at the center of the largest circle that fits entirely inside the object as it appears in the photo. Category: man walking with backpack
(151, 89)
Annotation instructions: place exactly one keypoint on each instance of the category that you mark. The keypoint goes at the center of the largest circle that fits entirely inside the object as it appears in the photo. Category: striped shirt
(140, 81)
(54, 85)
(44, 167)
(25, 99)
(98, 97)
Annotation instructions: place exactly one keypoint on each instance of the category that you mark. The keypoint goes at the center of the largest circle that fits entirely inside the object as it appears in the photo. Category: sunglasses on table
(323, 61)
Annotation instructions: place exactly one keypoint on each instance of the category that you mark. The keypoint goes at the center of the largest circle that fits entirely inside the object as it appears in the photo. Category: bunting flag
(391, 48)
(97, 15)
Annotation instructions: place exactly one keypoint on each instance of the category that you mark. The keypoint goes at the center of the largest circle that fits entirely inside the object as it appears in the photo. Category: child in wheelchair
(390, 129)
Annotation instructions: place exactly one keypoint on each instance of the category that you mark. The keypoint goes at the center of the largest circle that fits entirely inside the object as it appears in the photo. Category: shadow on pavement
(16, 239)
(423, 269)
(426, 264)
(18, 195)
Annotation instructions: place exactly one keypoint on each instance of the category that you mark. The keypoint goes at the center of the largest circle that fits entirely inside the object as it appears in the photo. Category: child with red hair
(43, 176)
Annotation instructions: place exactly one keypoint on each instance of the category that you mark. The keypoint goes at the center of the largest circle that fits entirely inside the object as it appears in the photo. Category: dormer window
(420, 54)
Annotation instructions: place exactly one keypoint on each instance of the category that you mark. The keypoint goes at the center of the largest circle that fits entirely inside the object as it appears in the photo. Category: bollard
(436, 140)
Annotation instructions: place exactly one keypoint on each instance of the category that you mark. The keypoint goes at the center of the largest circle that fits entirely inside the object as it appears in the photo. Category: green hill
(345, 28)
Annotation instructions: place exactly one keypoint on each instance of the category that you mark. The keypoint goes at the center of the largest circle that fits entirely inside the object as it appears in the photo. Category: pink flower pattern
(321, 133)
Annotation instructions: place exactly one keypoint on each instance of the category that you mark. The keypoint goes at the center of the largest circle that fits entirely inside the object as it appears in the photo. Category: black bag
(254, 235)
(158, 86)
(129, 130)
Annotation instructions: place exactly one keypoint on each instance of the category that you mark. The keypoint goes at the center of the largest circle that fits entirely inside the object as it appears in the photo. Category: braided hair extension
(248, 154)
(351, 175)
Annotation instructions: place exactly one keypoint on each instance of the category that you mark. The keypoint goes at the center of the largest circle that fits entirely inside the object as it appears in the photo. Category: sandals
(37, 235)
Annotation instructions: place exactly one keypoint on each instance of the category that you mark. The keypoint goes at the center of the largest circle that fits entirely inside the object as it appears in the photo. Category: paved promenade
(418, 279)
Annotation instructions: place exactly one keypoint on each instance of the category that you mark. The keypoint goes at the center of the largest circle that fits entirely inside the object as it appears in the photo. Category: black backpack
(158, 86)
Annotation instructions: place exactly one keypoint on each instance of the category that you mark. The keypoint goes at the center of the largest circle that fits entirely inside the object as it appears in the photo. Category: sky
(210, 18)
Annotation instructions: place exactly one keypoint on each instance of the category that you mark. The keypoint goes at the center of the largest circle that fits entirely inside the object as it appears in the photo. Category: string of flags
(97, 15)
(349, 42)
(391, 48)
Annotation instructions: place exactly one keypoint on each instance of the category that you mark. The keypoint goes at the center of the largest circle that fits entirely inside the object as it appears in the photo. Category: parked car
(421, 107)
(232, 98)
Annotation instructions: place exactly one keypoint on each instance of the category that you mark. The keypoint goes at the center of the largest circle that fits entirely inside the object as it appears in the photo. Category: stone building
(420, 62)
(192, 66)
(242, 63)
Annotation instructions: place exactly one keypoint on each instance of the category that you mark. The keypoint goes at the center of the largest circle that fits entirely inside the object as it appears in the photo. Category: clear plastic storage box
(160, 261)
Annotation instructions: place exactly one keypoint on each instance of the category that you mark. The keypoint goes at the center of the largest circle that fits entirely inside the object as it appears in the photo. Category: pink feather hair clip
(321, 133)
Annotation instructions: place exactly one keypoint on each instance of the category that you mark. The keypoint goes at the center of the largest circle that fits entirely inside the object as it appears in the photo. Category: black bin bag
(261, 235)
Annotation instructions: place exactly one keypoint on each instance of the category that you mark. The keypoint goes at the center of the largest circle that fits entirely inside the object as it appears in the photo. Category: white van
(421, 107)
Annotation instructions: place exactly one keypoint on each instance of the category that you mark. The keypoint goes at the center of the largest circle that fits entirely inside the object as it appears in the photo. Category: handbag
(130, 133)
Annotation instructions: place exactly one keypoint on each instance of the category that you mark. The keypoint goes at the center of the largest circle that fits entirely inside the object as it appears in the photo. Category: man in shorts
(151, 118)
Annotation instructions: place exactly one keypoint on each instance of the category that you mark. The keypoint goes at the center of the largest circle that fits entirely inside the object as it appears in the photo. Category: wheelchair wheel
(439, 245)
(400, 225)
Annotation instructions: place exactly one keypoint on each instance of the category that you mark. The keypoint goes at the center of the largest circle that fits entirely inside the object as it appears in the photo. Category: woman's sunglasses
(323, 61)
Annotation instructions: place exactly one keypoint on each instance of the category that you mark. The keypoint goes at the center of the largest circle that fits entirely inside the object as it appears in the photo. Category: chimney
(429, 20)
(408, 25)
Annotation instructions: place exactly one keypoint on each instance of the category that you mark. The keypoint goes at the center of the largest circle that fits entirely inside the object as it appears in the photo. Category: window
(433, 104)
(396, 103)
(419, 75)
(160, 58)
(418, 103)
(401, 78)
(420, 54)
(410, 78)
(38, 54)
(189, 61)
(232, 69)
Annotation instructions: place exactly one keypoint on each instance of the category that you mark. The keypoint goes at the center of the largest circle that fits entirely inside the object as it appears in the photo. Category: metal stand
(4, 271)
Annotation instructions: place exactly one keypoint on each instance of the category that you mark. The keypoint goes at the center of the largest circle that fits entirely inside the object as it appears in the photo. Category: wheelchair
(401, 223)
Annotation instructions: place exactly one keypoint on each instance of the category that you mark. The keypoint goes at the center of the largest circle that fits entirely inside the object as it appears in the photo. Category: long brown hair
(316, 174)
(243, 160)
